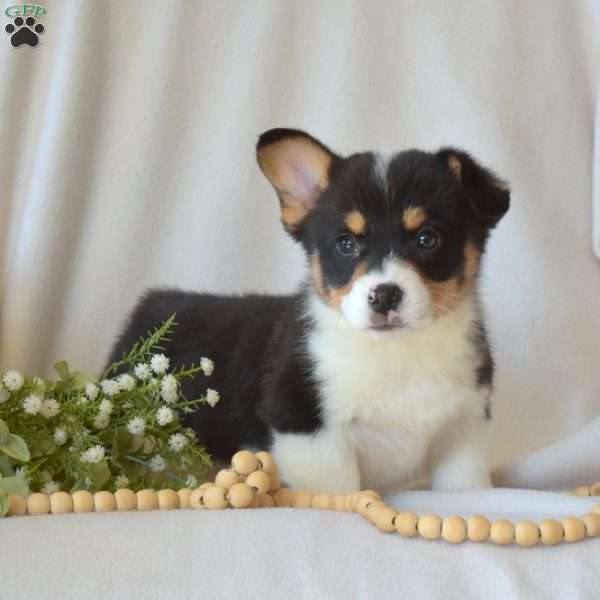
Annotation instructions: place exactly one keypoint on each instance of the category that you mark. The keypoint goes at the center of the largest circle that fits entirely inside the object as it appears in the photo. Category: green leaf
(43, 445)
(16, 448)
(62, 368)
(99, 474)
(4, 504)
(14, 485)
(3, 429)
(79, 380)
(6, 469)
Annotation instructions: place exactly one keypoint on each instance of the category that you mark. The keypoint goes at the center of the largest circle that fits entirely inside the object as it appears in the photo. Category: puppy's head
(393, 244)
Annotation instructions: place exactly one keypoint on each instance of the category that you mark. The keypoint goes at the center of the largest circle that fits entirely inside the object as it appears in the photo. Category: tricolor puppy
(377, 372)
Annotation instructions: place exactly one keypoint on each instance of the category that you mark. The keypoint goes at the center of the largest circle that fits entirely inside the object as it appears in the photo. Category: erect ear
(487, 195)
(298, 166)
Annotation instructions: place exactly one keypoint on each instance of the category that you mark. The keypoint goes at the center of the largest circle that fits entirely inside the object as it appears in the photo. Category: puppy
(378, 371)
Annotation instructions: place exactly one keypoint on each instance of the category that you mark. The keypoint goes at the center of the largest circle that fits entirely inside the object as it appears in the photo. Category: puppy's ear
(298, 167)
(487, 195)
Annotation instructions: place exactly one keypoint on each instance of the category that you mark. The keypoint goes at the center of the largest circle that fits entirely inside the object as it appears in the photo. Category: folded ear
(298, 166)
(487, 195)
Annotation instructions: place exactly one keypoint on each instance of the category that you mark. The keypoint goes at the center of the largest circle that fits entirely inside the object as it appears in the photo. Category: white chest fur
(389, 398)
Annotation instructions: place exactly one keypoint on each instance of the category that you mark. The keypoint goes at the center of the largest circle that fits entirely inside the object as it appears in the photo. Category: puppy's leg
(460, 456)
(320, 461)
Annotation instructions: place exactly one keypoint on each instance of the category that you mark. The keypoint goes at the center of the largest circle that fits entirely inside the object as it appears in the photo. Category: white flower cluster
(125, 382)
(121, 481)
(207, 366)
(92, 455)
(142, 371)
(13, 381)
(157, 463)
(50, 408)
(177, 442)
(136, 426)
(91, 391)
(212, 397)
(60, 436)
(159, 363)
(169, 389)
(110, 387)
(50, 487)
(32, 404)
(164, 416)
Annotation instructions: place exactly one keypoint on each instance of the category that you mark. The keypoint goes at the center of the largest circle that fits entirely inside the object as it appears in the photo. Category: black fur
(256, 343)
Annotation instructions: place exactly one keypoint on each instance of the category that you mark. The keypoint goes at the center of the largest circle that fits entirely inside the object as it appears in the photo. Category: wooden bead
(104, 502)
(362, 503)
(454, 530)
(184, 497)
(592, 524)
(205, 485)
(302, 499)
(350, 501)
(372, 493)
(283, 497)
(147, 500)
(383, 517)
(265, 500)
(266, 462)
(502, 532)
(215, 497)
(527, 534)
(18, 506)
(260, 481)
(582, 490)
(595, 489)
(244, 462)
(125, 499)
(227, 478)
(373, 510)
(430, 527)
(406, 524)
(38, 504)
(339, 502)
(255, 501)
(478, 529)
(275, 480)
(83, 501)
(168, 499)
(61, 503)
(551, 532)
(574, 529)
(240, 495)
(196, 498)
(322, 501)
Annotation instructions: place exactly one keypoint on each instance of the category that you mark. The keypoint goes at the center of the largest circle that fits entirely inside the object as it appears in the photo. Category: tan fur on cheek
(413, 217)
(336, 295)
(317, 276)
(356, 222)
(445, 295)
(472, 261)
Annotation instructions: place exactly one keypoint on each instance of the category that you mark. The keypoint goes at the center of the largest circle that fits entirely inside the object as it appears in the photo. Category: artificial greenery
(123, 430)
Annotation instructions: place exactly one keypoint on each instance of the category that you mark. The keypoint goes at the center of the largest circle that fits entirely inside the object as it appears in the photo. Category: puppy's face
(393, 244)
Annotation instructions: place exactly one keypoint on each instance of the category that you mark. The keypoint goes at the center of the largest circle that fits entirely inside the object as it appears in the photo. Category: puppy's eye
(347, 245)
(428, 238)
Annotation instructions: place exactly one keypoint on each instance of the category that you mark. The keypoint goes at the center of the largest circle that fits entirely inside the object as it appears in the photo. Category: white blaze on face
(414, 311)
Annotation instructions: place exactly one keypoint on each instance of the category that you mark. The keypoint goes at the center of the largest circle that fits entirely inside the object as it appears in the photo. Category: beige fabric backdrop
(126, 145)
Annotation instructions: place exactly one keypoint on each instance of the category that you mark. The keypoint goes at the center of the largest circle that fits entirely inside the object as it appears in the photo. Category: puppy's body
(378, 371)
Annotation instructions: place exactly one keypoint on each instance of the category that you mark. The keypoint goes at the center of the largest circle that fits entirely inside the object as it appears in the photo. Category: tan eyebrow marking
(356, 222)
(413, 217)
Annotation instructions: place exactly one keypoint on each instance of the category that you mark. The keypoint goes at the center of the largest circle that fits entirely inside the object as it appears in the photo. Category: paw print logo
(24, 32)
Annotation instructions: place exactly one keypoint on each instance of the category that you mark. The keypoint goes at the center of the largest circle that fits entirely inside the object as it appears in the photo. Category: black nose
(384, 297)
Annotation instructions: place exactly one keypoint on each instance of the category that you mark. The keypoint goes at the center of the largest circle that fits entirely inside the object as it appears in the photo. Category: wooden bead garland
(253, 481)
